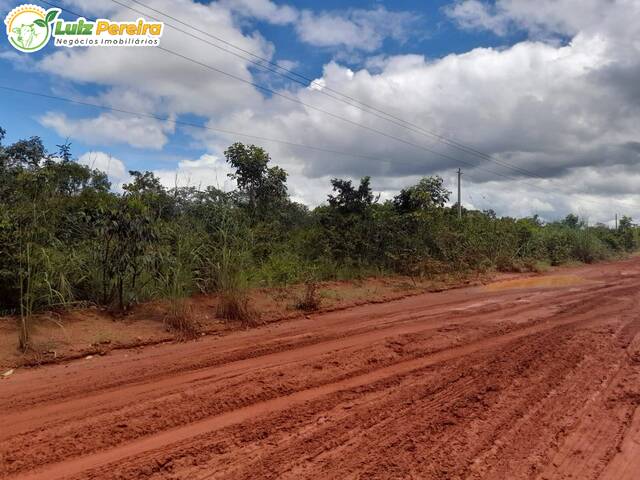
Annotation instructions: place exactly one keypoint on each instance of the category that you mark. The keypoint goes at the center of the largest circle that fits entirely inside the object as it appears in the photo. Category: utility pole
(459, 197)
(616, 221)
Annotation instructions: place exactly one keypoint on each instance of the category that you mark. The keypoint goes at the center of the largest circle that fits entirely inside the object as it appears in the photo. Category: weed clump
(310, 299)
(180, 320)
(234, 307)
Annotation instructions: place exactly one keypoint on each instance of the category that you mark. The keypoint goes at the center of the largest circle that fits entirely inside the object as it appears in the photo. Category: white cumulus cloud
(563, 105)
(354, 29)
(200, 173)
(106, 163)
(109, 128)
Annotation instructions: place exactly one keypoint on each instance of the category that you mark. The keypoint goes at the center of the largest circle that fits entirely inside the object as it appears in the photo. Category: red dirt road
(533, 379)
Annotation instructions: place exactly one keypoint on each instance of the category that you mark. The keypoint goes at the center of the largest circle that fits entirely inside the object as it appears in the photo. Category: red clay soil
(533, 380)
(60, 336)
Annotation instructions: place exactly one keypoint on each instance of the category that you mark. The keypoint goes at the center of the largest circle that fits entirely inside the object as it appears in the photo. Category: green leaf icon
(39, 22)
(51, 15)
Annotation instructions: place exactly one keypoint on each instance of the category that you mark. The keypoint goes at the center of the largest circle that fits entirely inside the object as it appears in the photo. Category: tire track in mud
(243, 414)
(472, 371)
(464, 384)
(396, 325)
(92, 404)
(626, 464)
(495, 431)
(270, 344)
(393, 325)
(604, 435)
(55, 447)
(208, 355)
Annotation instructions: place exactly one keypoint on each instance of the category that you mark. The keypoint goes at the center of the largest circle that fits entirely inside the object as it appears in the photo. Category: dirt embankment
(76, 333)
(539, 380)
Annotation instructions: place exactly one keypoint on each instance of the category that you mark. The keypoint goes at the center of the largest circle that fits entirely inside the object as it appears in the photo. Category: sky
(537, 102)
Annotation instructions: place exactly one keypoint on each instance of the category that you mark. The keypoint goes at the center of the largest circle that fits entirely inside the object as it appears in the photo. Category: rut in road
(462, 384)
(99, 431)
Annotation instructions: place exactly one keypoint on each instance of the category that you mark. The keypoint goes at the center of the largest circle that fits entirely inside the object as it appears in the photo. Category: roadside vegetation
(68, 239)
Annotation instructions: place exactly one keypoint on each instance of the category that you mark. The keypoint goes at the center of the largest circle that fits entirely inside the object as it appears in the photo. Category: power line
(323, 88)
(297, 101)
(185, 123)
(231, 132)
(351, 122)
(203, 126)
(196, 125)
(306, 105)
(278, 71)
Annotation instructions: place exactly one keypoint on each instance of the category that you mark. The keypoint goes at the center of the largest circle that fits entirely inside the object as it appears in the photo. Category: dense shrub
(67, 238)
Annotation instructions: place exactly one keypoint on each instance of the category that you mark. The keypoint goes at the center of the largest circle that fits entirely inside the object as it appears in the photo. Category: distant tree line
(66, 238)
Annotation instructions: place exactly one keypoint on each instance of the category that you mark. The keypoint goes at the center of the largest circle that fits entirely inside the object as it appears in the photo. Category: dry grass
(149, 322)
(233, 306)
(24, 336)
(310, 300)
(180, 320)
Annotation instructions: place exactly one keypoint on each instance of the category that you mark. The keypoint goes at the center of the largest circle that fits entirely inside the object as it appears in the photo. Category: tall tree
(349, 199)
(64, 151)
(429, 192)
(263, 186)
(625, 223)
(572, 221)
(24, 153)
